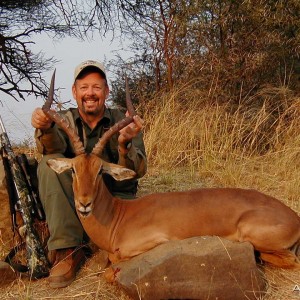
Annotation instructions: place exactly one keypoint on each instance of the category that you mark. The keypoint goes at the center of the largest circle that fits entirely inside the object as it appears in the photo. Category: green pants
(57, 198)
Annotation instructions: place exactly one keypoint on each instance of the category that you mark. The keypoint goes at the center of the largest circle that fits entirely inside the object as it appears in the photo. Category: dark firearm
(23, 197)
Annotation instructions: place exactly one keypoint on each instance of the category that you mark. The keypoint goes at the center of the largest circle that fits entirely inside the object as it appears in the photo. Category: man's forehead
(91, 80)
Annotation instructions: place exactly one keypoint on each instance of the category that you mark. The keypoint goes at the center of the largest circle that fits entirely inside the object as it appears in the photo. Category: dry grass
(245, 147)
(250, 148)
(199, 145)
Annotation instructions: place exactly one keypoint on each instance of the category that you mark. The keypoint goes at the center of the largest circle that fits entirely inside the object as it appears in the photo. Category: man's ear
(106, 91)
(119, 173)
(74, 91)
(59, 165)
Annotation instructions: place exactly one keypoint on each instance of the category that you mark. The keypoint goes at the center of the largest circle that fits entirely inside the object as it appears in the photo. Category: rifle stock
(37, 261)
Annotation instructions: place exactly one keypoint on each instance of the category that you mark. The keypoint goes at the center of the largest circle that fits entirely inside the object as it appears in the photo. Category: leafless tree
(22, 70)
(231, 47)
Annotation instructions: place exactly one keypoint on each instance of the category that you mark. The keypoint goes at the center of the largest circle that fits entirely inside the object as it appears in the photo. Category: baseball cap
(89, 63)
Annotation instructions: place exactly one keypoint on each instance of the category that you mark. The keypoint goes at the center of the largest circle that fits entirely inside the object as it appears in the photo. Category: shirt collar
(105, 116)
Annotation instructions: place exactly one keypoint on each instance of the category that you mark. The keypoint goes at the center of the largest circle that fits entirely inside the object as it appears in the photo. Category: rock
(7, 274)
(195, 268)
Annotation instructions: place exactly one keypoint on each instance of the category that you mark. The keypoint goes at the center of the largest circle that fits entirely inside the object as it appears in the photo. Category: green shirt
(55, 140)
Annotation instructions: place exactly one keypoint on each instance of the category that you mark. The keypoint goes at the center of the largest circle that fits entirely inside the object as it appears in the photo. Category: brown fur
(127, 228)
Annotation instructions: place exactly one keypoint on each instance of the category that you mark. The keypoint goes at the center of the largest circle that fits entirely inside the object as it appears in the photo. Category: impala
(127, 228)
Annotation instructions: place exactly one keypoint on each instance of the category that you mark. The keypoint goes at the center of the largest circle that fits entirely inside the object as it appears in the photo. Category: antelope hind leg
(282, 259)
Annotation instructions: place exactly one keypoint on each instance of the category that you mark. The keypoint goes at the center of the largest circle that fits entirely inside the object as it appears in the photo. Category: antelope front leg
(111, 272)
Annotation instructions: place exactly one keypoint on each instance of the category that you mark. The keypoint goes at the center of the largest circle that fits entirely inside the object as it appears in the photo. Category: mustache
(88, 98)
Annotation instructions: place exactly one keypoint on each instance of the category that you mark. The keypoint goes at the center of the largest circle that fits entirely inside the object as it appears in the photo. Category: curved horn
(129, 104)
(61, 121)
(98, 148)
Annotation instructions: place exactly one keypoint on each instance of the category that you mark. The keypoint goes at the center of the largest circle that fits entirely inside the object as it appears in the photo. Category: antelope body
(127, 228)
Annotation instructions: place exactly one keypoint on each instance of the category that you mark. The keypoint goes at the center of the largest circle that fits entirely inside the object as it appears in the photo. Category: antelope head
(87, 168)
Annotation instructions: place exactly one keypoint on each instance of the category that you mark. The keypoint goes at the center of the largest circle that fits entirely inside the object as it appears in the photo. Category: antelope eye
(100, 171)
(73, 171)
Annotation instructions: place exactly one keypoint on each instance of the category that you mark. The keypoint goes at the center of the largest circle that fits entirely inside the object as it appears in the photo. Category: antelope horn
(61, 121)
(98, 148)
(129, 104)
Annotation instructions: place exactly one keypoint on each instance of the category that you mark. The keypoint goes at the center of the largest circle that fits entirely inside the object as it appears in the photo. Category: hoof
(111, 274)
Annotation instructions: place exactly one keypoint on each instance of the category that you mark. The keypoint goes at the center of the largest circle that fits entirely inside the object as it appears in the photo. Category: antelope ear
(59, 165)
(119, 173)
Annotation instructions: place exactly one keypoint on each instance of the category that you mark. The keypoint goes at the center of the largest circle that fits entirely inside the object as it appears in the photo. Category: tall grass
(253, 146)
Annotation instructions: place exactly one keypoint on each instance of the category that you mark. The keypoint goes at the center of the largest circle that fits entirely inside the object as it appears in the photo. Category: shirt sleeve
(136, 159)
(50, 141)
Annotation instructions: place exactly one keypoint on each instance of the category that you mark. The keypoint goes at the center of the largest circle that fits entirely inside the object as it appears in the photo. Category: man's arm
(48, 138)
(131, 147)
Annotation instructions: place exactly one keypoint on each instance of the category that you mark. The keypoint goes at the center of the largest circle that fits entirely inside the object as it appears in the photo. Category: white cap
(89, 63)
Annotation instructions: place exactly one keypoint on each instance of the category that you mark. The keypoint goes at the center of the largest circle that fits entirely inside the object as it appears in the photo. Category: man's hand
(39, 120)
(129, 132)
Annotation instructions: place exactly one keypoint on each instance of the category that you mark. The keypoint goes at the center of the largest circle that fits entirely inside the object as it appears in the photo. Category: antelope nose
(85, 208)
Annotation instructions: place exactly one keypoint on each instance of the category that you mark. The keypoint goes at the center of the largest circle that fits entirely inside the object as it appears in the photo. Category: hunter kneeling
(91, 120)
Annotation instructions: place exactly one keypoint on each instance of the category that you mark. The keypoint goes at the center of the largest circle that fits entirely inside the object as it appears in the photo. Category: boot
(67, 263)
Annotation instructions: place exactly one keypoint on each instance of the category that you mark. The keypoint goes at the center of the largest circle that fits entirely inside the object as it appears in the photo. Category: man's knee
(43, 166)
(50, 182)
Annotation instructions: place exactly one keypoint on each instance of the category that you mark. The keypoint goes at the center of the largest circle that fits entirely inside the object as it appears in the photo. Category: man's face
(90, 93)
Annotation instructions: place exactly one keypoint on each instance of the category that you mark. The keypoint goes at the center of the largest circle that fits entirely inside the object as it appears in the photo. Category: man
(91, 119)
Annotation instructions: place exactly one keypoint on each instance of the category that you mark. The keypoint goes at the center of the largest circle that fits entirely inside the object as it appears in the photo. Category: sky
(69, 52)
